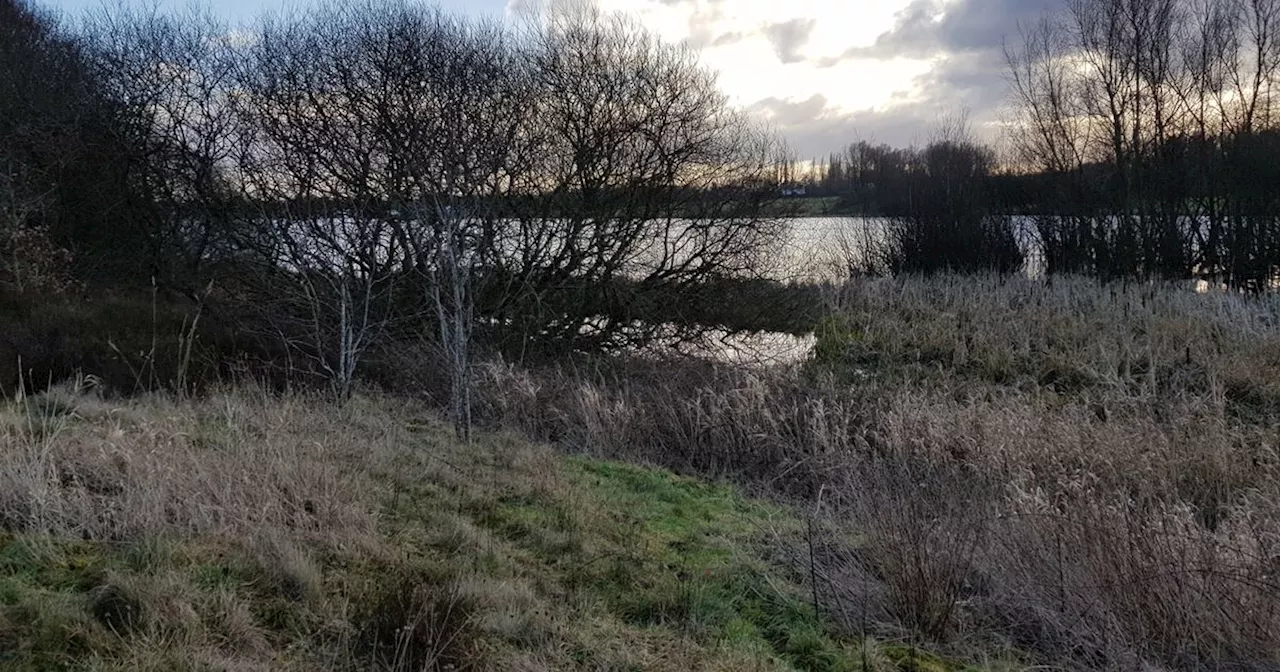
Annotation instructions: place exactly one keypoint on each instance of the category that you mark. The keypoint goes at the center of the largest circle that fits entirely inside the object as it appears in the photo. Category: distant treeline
(1145, 143)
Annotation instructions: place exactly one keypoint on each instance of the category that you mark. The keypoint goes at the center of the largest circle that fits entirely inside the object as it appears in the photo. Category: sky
(824, 73)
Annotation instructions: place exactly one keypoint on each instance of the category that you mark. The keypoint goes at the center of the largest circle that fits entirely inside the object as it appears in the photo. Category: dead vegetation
(997, 471)
(1088, 472)
(247, 531)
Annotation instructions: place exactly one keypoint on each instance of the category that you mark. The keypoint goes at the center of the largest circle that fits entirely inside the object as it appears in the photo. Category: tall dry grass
(1086, 472)
(1120, 342)
(234, 465)
(188, 533)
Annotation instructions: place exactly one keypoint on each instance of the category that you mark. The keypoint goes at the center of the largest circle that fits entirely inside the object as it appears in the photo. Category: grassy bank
(984, 471)
(243, 532)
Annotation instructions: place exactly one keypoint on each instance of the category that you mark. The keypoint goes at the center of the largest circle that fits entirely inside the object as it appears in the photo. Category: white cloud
(734, 38)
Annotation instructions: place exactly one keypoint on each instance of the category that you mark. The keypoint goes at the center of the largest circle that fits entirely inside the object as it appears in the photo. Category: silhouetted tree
(946, 220)
(1150, 118)
(58, 178)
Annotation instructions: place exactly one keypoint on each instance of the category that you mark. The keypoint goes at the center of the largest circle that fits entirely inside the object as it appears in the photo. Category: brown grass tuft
(418, 624)
(237, 465)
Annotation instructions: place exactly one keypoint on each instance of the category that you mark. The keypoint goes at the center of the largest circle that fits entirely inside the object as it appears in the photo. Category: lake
(816, 249)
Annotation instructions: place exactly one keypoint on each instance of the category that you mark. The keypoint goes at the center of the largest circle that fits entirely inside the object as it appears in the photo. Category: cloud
(791, 112)
(829, 72)
(931, 27)
(970, 80)
(968, 84)
(536, 9)
(789, 38)
(962, 39)
(728, 38)
(523, 8)
(813, 128)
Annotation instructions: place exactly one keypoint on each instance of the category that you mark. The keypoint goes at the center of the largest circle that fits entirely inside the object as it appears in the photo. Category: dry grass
(1087, 472)
(234, 466)
(1072, 475)
(152, 518)
(245, 531)
(1118, 344)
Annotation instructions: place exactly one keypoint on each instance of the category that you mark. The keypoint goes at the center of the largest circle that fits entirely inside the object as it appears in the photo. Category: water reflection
(814, 250)
(820, 249)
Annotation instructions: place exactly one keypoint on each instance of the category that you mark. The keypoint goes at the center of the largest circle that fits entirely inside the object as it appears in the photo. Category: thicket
(327, 183)
(945, 218)
(1155, 122)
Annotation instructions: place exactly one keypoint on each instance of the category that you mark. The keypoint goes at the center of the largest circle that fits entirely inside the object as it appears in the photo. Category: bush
(926, 243)
(131, 342)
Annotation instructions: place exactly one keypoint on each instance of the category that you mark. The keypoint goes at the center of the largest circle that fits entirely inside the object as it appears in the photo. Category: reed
(1087, 471)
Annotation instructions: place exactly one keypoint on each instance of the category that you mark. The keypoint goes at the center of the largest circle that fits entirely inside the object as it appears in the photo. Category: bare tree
(453, 295)
(326, 247)
(647, 184)
(400, 127)
(170, 79)
(1151, 117)
(383, 169)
